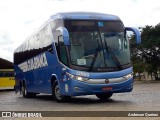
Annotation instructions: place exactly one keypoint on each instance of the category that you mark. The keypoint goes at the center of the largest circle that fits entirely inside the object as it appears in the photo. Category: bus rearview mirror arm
(136, 32)
(65, 34)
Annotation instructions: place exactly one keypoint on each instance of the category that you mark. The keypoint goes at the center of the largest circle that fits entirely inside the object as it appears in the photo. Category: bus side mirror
(136, 32)
(64, 32)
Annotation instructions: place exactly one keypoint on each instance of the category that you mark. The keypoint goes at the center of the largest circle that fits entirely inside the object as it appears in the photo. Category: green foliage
(149, 51)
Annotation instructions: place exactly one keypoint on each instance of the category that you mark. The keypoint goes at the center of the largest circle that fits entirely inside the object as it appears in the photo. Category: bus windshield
(98, 45)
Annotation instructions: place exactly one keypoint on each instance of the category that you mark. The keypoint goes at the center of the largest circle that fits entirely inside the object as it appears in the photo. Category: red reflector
(107, 88)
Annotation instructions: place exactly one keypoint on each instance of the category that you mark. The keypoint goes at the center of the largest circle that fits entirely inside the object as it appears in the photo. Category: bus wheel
(57, 96)
(25, 93)
(104, 96)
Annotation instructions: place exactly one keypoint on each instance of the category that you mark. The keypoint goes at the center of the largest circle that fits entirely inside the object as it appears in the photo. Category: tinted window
(37, 44)
(6, 74)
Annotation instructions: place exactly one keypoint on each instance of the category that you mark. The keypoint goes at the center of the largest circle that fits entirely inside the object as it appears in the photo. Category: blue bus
(76, 53)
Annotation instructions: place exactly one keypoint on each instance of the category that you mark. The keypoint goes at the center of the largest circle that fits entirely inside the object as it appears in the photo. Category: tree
(138, 66)
(149, 50)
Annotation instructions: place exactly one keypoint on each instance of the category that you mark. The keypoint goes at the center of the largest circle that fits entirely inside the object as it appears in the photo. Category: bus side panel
(30, 81)
(43, 75)
(7, 82)
(39, 79)
(7, 79)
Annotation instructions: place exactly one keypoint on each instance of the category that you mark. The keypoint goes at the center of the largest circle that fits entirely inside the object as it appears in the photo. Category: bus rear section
(76, 54)
(7, 80)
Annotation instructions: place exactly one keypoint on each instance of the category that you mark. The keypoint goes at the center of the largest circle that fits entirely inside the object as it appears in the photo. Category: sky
(20, 18)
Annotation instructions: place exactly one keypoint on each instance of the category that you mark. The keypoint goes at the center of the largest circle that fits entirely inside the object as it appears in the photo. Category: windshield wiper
(113, 56)
(94, 59)
(95, 56)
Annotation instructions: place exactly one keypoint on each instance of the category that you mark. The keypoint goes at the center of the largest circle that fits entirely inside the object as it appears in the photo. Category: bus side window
(1, 74)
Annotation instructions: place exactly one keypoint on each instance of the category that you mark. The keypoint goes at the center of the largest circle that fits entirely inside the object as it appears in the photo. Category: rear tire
(57, 96)
(25, 93)
(104, 96)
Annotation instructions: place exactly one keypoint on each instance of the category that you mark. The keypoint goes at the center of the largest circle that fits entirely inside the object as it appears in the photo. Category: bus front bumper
(76, 88)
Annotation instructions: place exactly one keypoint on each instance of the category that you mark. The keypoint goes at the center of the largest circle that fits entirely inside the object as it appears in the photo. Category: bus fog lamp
(76, 88)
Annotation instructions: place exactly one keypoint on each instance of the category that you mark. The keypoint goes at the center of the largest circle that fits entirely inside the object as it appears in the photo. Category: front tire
(57, 96)
(104, 96)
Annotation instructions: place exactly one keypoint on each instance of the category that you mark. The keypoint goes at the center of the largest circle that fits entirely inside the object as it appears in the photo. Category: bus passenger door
(63, 41)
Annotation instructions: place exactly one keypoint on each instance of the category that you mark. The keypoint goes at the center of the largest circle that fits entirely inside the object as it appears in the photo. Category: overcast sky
(20, 18)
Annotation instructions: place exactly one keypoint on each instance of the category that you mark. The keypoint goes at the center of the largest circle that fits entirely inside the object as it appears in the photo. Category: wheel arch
(54, 79)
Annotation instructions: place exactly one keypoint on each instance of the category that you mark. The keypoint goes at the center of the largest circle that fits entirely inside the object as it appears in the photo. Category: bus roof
(85, 15)
(5, 64)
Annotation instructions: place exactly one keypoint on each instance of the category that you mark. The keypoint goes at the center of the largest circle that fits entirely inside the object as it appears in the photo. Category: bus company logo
(106, 81)
(34, 63)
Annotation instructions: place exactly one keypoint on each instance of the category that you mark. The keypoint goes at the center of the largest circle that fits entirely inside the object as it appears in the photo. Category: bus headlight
(75, 77)
(128, 76)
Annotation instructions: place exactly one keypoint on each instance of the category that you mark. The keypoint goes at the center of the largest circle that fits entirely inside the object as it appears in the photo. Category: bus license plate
(107, 88)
